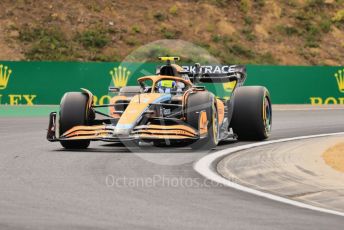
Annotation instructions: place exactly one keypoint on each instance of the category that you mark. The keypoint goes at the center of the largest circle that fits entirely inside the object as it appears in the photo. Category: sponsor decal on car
(213, 69)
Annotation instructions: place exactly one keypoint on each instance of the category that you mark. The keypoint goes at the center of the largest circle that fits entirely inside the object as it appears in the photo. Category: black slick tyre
(203, 101)
(252, 115)
(73, 112)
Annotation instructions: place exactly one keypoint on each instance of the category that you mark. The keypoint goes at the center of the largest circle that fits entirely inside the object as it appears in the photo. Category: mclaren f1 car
(172, 107)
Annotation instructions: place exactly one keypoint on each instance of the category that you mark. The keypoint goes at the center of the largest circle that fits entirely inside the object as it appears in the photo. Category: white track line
(205, 168)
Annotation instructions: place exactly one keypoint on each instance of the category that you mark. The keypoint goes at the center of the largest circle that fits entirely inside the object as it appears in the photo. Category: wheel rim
(215, 127)
(267, 115)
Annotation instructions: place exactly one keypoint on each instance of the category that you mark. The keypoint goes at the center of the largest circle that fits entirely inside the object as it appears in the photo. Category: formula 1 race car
(169, 108)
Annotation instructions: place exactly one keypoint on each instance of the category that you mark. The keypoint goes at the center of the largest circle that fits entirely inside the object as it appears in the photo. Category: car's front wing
(108, 132)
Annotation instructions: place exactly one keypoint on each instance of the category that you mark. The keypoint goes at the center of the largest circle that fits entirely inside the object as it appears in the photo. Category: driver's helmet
(166, 86)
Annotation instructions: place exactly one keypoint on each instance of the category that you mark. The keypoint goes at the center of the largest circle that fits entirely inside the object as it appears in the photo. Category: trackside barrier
(44, 83)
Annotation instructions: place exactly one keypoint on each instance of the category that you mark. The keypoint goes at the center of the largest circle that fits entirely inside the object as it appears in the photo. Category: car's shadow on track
(119, 148)
(228, 142)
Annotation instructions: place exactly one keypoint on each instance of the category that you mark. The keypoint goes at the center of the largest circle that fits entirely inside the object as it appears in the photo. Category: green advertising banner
(314, 85)
(44, 83)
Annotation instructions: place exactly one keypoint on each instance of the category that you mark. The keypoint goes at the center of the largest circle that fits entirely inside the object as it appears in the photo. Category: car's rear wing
(220, 78)
(216, 73)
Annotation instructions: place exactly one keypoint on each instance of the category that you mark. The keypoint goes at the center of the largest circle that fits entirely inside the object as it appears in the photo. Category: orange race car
(169, 108)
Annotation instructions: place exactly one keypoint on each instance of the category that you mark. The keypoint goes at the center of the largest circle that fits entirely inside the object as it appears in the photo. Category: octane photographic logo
(120, 76)
(143, 58)
(5, 73)
(15, 98)
(338, 77)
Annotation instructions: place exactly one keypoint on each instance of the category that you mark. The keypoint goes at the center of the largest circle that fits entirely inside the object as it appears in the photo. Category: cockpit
(164, 84)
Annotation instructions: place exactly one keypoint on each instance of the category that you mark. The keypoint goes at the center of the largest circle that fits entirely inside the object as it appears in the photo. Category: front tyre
(73, 112)
(252, 115)
(203, 101)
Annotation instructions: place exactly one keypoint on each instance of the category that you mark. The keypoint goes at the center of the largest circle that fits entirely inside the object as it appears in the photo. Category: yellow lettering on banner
(341, 100)
(29, 99)
(329, 100)
(103, 98)
(14, 99)
(95, 100)
(316, 101)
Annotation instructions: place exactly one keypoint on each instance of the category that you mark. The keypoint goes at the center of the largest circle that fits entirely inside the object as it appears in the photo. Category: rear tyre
(73, 112)
(252, 115)
(203, 101)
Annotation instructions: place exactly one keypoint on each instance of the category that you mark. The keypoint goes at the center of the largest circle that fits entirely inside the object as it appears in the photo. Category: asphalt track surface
(45, 187)
(293, 169)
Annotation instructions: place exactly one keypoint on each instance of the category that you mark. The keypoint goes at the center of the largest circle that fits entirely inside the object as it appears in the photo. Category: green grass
(173, 10)
(93, 38)
(46, 43)
(136, 29)
(315, 4)
(242, 51)
(248, 34)
(307, 23)
(170, 33)
(244, 5)
(312, 22)
(338, 19)
(286, 30)
(159, 16)
(216, 38)
(339, 16)
(260, 3)
(248, 20)
(131, 41)
(218, 2)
